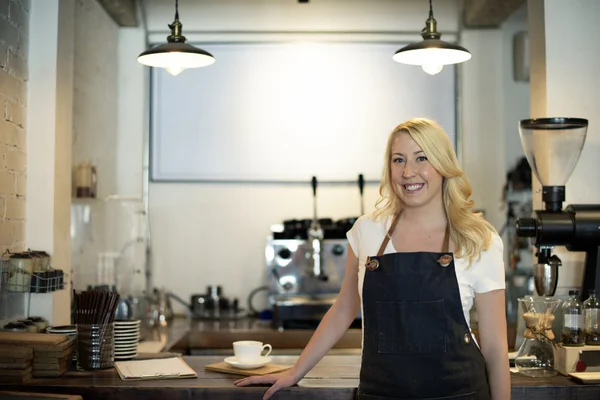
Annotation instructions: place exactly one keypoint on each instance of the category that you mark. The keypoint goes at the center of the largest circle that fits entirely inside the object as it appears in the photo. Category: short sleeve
(489, 271)
(353, 236)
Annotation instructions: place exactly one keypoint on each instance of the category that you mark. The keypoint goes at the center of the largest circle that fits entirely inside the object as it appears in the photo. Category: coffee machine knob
(285, 254)
(337, 250)
(526, 227)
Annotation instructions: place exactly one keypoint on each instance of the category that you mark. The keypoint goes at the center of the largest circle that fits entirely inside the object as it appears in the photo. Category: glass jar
(591, 316)
(572, 326)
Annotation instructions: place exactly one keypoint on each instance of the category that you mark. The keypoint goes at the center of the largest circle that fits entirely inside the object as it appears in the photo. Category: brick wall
(14, 38)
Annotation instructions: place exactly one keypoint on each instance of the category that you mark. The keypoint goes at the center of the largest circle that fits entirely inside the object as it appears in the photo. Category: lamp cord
(177, 8)
(430, 10)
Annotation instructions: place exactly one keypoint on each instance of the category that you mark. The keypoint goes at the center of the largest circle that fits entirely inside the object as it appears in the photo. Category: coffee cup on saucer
(250, 351)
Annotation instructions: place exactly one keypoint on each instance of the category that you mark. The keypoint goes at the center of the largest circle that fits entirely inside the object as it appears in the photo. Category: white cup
(249, 350)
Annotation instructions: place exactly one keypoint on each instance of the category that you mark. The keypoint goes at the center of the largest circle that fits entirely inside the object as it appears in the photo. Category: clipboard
(164, 368)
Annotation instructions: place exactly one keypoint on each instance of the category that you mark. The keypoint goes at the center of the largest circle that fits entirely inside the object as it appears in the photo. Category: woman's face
(417, 183)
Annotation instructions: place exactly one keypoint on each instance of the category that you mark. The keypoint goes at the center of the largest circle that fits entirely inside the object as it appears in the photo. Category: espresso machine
(306, 262)
(552, 147)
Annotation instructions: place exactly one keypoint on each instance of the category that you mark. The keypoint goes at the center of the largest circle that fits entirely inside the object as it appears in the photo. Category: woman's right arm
(331, 328)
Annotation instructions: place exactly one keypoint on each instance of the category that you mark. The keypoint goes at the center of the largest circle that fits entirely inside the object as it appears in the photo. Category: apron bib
(417, 344)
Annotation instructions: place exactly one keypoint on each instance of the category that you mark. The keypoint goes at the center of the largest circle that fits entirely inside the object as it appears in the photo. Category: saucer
(248, 365)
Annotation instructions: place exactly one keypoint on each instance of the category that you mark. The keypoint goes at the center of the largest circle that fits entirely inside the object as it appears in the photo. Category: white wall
(491, 104)
(95, 112)
(49, 117)
(215, 233)
(515, 94)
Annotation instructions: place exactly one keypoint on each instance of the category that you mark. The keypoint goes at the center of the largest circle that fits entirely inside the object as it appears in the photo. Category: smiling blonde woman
(415, 268)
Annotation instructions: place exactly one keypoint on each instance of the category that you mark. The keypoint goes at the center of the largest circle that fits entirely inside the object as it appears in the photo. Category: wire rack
(16, 282)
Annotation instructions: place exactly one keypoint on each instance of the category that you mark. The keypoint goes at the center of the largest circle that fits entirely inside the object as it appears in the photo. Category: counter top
(220, 335)
(207, 337)
(335, 377)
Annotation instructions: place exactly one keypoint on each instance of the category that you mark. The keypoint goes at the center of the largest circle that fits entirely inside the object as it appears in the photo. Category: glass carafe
(591, 315)
(536, 354)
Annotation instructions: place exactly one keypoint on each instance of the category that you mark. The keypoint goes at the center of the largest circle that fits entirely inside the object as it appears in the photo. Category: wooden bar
(335, 377)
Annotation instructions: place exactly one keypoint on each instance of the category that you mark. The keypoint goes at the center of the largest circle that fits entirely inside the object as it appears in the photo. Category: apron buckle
(371, 265)
(445, 260)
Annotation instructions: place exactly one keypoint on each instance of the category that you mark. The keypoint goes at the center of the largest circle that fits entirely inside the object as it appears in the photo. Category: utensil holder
(95, 346)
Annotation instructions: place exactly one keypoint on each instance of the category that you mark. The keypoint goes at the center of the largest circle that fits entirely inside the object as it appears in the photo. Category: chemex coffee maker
(552, 147)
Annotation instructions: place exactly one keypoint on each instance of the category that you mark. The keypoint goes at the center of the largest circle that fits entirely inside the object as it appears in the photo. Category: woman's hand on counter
(279, 381)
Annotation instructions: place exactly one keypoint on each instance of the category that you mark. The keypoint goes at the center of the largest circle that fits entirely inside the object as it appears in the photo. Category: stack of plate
(69, 330)
(127, 336)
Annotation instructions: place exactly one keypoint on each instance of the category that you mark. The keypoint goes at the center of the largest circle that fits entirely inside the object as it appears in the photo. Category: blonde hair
(469, 231)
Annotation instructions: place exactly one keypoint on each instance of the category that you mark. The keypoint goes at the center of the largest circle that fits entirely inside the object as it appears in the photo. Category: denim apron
(417, 344)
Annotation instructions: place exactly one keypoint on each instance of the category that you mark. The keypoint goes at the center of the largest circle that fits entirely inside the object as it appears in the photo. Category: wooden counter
(335, 377)
(210, 337)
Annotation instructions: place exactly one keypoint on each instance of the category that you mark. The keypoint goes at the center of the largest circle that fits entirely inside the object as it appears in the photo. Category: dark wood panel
(488, 13)
(123, 12)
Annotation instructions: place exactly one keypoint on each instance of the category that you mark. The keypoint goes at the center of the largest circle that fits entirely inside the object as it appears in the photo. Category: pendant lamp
(432, 53)
(176, 55)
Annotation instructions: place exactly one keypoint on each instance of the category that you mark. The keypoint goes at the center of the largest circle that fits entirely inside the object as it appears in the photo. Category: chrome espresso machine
(306, 262)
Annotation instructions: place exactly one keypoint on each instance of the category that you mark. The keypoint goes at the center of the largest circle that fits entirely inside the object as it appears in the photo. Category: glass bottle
(591, 315)
(572, 326)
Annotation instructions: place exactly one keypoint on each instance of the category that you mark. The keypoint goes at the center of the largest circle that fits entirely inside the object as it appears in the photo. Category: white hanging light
(432, 53)
(176, 55)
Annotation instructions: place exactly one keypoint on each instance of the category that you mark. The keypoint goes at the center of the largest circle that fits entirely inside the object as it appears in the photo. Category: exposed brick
(21, 184)
(16, 160)
(3, 55)
(9, 33)
(7, 232)
(19, 230)
(15, 208)
(15, 113)
(18, 16)
(23, 47)
(4, 8)
(16, 247)
(7, 183)
(9, 85)
(21, 138)
(9, 133)
(17, 65)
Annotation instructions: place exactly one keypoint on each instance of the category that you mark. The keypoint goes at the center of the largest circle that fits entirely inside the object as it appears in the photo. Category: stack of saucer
(68, 330)
(127, 336)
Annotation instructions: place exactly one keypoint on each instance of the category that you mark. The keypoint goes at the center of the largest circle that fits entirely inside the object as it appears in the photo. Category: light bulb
(174, 69)
(432, 68)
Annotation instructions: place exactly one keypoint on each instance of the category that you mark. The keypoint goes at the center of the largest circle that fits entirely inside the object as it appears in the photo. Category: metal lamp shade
(176, 56)
(432, 51)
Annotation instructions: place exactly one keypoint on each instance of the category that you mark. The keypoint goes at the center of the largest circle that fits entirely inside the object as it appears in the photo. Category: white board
(284, 112)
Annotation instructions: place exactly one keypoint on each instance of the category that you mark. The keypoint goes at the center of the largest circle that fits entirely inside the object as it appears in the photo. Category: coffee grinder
(552, 147)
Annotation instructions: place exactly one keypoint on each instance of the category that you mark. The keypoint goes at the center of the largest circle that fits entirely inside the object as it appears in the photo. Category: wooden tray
(15, 352)
(29, 338)
(228, 369)
(586, 377)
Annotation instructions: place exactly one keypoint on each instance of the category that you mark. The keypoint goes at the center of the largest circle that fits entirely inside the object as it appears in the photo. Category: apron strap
(446, 244)
(388, 236)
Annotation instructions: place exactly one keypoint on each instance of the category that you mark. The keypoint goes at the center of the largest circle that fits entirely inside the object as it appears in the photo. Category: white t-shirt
(485, 274)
